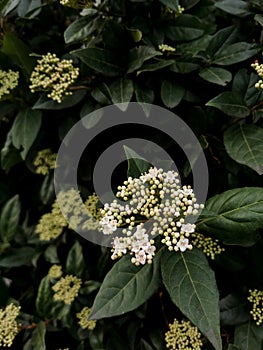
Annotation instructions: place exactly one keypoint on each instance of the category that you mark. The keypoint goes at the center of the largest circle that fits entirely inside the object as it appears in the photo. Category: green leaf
(171, 93)
(172, 4)
(235, 53)
(222, 39)
(19, 52)
(184, 67)
(233, 310)
(231, 103)
(233, 347)
(10, 156)
(101, 60)
(249, 336)
(9, 219)
(75, 260)
(259, 18)
(145, 96)
(102, 94)
(155, 66)
(191, 285)
(90, 114)
(69, 101)
(216, 75)
(234, 216)
(38, 337)
(244, 143)
(185, 28)
(234, 7)
(121, 92)
(17, 257)
(136, 164)
(46, 193)
(80, 29)
(44, 299)
(6, 6)
(25, 129)
(137, 56)
(126, 287)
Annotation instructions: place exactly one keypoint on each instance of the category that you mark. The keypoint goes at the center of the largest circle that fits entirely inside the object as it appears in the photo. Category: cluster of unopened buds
(259, 69)
(151, 205)
(256, 298)
(8, 81)
(166, 48)
(77, 4)
(54, 76)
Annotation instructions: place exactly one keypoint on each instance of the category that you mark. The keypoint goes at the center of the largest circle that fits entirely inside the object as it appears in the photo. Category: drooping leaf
(136, 164)
(75, 260)
(221, 39)
(231, 103)
(244, 143)
(37, 340)
(101, 60)
(102, 94)
(216, 75)
(234, 216)
(90, 114)
(25, 129)
(121, 92)
(9, 219)
(191, 285)
(17, 257)
(249, 336)
(171, 93)
(145, 96)
(7, 6)
(18, 51)
(137, 56)
(10, 156)
(233, 310)
(185, 28)
(126, 287)
(235, 53)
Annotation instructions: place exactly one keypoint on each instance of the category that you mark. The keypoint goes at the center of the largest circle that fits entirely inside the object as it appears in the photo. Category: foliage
(196, 58)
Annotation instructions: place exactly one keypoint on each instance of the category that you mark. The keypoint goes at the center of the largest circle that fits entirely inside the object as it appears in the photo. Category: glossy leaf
(126, 287)
(185, 28)
(231, 103)
(137, 56)
(244, 143)
(234, 216)
(25, 129)
(75, 261)
(80, 29)
(145, 96)
(100, 60)
(9, 219)
(17, 257)
(216, 75)
(136, 164)
(234, 7)
(10, 156)
(234, 310)
(44, 298)
(69, 101)
(121, 92)
(191, 285)
(37, 340)
(155, 66)
(235, 53)
(171, 93)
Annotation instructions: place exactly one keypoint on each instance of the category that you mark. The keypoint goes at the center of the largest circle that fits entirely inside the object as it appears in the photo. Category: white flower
(108, 224)
(120, 247)
(189, 228)
(171, 177)
(140, 257)
(182, 244)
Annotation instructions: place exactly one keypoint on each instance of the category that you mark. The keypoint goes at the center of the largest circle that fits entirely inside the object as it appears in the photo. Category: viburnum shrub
(172, 271)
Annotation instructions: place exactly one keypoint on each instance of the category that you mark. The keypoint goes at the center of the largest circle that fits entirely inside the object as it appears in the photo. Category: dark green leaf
(126, 287)
(155, 66)
(235, 53)
(172, 4)
(234, 7)
(231, 103)
(80, 29)
(121, 92)
(19, 52)
(38, 337)
(234, 216)
(145, 96)
(216, 75)
(249, 336)
(44, 298)
(244, 143)
(185, 28)
(259, 18)
(75, 260)
(47, 191)
(191, 285)
(102, 94)
(136, 164)
(137, 56)
(9, 219)
(69, 101)
(222, 39)
(25, 129)
(90, 115)
(10, 156)
(184, 67)
(233, 310)
(103, 61)
(17, 257)
(233, 347)
(171, 93)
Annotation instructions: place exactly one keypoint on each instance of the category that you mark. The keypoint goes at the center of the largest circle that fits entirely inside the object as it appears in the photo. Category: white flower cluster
(259, 69)
(53, 75)
(155, 205)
